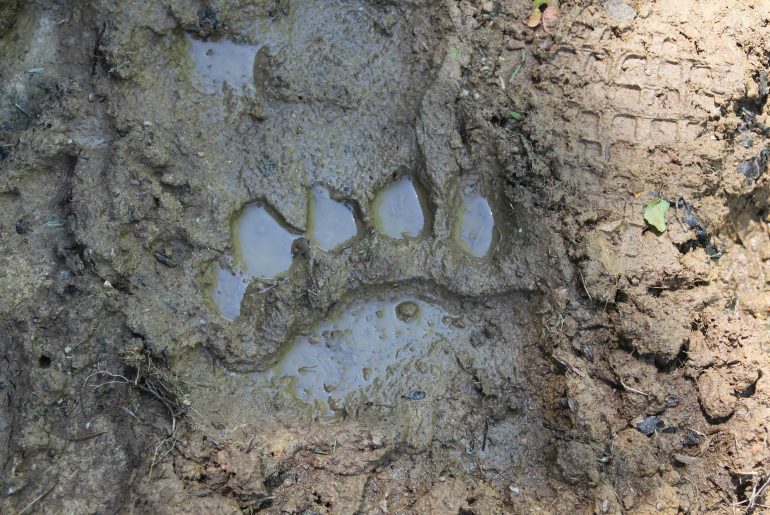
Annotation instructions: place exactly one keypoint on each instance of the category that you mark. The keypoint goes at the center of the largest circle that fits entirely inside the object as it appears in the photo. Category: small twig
(105, 372)
(160, 392)
(633, 390)
(118, 67)
(36, 499)
(250, 445)
(568, 366)
(556, 326)
(22, 110)
(502, 472)
(522, 58)
(756, 494)
(155, 457)
(86, 437)
(624, 385)
(583, 281)
(721, 491)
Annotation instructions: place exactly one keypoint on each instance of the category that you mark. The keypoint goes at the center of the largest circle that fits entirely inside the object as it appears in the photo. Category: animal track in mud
(372, 345)
(262, 242)
(373, 220)
(370, 348)
(220, 62)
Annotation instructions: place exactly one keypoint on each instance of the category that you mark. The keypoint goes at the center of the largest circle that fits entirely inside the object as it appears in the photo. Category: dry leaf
(534, 18)
(549, 15)
(543, 11)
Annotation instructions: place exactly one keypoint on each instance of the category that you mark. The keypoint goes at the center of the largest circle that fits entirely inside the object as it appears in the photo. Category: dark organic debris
(22, 226)
(570, 404)
(649, 425)
(208, 19)
(753, 168)
(692, 438)
(414, 395)
(165, 260)
(749, 123)
(672, 401)
(693, 221)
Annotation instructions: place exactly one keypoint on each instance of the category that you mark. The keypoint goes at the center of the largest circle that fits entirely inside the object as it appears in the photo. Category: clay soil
(609, 368)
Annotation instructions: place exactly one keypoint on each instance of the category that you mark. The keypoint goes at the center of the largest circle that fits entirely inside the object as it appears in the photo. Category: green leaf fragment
(655, 213)
(455, 52)
(516, 116)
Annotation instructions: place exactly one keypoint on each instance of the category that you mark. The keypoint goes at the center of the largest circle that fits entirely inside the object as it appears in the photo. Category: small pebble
(650, 425)
(620, 11)
(407, 311)
(414, 395)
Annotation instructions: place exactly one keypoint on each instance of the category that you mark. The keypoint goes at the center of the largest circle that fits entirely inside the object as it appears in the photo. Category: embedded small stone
(407, 311)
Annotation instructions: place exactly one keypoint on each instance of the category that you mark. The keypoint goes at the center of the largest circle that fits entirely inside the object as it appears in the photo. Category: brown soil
(609, 368)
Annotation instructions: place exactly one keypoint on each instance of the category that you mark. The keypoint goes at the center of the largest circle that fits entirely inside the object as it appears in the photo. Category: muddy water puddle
(474, 228)
(262, 244)
(398, 210)
(371, 349)
(220, 62)
(331, 223)
(228, 291)
(262, 248)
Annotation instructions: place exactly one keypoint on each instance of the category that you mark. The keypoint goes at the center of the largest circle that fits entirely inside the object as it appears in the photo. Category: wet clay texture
(358, 256)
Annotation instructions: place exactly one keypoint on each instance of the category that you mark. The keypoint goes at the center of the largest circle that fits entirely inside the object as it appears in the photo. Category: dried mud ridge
(587, 363)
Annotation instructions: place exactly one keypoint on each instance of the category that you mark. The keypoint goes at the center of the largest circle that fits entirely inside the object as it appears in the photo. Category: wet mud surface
(383, 257)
